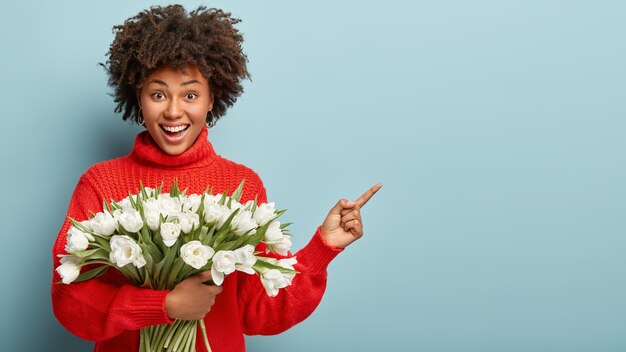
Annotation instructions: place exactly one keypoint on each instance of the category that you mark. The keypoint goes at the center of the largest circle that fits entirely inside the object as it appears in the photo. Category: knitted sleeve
(264, 315)
(94, 309)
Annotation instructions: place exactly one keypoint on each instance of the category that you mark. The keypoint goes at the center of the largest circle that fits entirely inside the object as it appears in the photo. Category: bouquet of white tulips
(159, 239)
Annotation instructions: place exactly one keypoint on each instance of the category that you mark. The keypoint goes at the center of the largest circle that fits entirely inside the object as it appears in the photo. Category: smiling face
(175, 103)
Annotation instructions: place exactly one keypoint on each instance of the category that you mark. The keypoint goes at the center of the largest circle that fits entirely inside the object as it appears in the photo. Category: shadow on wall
(113, 137)
(41, 332)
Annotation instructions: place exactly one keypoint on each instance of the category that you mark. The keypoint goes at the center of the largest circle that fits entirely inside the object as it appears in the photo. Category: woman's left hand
(343, 224)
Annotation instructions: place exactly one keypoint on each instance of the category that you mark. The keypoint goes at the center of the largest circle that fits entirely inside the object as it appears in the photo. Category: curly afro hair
(171, 36)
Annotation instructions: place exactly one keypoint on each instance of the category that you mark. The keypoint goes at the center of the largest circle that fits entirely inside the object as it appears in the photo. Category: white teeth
(175, 129)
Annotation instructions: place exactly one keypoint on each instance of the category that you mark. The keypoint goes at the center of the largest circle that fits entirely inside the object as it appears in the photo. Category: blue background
(497, 128)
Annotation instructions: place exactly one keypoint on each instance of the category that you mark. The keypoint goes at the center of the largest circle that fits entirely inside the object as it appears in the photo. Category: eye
(191, 96)
(158, 96)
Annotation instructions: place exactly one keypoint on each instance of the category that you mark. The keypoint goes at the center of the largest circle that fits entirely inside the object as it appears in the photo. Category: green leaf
(282, 226)
(103, 243)
(133, 273)
(155, 252)
(159, 189)
(157, 239)
(222, 200)
(229, 220)
(91, 273)
(239, 191)
(263, 264)
(79, 226)
(143, 190)
(246, 239)
(200, 210)
(122, 231)
(96, 253)
(132, 201)
(254, 204)
(219, 239)
(166, 264)
(105, 206)
(205, 238)
(174, 191)
(258, 236)
(173, 274)
(224, 231)
(226, 246)
(187, 271)
(115, 205)
(139, 207)
(234, 244)
(146, 255)
(156, 273)
(200, 233)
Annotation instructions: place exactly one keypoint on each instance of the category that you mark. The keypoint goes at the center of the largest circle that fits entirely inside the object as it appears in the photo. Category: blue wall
(497, 128)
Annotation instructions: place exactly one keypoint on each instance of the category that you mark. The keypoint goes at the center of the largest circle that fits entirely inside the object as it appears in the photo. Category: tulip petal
(218, 277)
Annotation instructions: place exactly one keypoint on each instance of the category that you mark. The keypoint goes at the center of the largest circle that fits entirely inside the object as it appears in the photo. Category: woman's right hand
(191, 299)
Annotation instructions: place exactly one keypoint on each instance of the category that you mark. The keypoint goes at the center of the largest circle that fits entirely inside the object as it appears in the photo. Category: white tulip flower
(124, 250)
(195, 254)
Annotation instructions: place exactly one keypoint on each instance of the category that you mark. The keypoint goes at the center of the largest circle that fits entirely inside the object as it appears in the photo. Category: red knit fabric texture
(110, 311)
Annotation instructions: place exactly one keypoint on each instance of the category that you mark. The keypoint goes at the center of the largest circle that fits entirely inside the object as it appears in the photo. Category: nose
(174, 109)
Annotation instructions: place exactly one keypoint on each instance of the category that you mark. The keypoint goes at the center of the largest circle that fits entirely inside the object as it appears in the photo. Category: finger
(205, 277)
(350, 225)
(351, 215)
(341, 205)
(348, 210)
(215, 289)
(368, 195)
(355, 227)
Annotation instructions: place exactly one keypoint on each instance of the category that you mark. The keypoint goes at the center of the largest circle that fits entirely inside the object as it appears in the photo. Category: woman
(175, 73)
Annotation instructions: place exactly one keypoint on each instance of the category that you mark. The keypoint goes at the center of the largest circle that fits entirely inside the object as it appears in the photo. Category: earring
(140, 120)
(213, 120)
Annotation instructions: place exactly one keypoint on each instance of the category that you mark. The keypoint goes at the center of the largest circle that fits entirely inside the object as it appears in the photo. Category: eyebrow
(161, 83)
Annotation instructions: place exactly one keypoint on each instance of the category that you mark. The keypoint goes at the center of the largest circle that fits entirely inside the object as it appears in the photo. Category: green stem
(157, 333)
(204, 335)
(187, 347)
(193, 341)
(168, 339)
(184, 343)
(179, 336)
(147, 338)
(142, 340)
(159, 345)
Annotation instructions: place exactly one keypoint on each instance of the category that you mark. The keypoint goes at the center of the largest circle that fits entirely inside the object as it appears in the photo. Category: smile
(174, 129)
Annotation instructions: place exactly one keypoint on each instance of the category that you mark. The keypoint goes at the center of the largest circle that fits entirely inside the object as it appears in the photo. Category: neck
(147, 152)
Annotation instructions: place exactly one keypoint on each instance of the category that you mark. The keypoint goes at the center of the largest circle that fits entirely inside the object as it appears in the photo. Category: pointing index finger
(368, 195)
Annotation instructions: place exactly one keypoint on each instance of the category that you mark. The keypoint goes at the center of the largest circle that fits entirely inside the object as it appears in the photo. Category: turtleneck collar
(146, 151)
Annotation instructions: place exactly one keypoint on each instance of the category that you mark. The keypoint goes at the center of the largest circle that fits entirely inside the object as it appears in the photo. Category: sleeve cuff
(151, 309)
(317, 254)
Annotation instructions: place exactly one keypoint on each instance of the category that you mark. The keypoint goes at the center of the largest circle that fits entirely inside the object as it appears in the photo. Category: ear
(138, 97)
(211, 99)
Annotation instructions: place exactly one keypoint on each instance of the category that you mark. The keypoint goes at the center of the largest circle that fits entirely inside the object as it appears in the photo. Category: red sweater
(110, 312)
